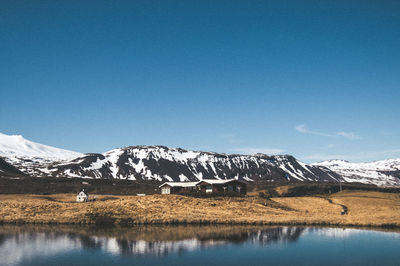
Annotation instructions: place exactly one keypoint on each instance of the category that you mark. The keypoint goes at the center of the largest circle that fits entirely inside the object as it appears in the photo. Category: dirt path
(345, 209)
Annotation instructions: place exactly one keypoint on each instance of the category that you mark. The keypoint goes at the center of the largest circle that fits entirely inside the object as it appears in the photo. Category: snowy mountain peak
(384, 172)
(18, 147)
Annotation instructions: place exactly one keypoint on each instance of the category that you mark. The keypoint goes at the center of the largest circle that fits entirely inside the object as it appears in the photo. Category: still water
(194, 245)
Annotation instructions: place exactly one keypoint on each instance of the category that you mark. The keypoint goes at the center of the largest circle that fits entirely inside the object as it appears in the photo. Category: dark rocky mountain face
(162, 163)
(7, 169)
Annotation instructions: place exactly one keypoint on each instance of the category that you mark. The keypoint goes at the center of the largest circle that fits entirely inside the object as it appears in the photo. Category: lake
(196, 245)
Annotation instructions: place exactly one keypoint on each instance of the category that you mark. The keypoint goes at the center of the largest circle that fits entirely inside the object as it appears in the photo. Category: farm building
(177, 187)
(206, 186)
(228, 185)
(82, 196)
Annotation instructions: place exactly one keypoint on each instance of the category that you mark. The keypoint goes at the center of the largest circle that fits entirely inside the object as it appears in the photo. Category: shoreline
(206, 223)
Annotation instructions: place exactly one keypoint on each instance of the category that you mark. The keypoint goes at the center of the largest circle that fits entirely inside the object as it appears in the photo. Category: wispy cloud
(331, 146)
(249, 150)
(305, 130)
(348, 135)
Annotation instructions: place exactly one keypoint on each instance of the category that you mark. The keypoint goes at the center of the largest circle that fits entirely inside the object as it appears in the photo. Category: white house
(82, 196)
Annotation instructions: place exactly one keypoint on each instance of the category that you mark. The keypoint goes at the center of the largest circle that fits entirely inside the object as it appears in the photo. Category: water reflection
(22, 243)
(17, 242)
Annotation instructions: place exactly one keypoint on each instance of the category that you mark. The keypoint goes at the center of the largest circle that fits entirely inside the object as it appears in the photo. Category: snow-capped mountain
(175, 164)
(384, 172)
(18, 146)
(26, 155)
(163, 163)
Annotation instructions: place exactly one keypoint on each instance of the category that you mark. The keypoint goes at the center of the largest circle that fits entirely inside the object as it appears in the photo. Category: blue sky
(315, 79)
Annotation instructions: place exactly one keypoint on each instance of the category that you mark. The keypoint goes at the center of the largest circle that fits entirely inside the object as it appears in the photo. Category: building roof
(220, 181)
(83, 192)
(192, 184)
(180, 184)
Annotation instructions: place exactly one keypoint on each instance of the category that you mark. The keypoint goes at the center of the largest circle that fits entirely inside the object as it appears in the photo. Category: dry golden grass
(365, 209)
(377, 208)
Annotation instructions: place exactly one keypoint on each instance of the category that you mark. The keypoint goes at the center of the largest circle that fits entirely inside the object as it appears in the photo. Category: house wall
(183, 189)
(81, 197)
(230, 187)
(166, 190)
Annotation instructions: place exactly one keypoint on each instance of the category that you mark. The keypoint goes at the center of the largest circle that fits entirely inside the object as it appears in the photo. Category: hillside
(160, 163)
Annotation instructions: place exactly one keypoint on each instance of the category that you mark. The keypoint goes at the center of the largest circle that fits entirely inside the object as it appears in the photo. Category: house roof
(83, 192)
(192, 184)
(179, 184)
(220, 181)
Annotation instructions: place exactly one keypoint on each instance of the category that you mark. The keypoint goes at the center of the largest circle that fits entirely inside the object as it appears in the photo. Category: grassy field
(365, 208)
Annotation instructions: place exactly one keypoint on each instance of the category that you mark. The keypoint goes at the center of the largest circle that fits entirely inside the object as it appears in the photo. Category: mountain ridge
(159, 162)
(175, 164)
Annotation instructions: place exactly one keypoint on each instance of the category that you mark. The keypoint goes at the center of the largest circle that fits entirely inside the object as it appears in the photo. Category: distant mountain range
(175, 164)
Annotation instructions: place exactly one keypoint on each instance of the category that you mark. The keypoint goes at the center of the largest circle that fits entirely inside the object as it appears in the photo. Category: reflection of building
(207, 186)
(131, 247)
(164, 247)
(276, 235)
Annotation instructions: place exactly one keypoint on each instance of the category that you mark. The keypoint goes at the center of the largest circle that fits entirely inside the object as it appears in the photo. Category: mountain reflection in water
(137, 241)
(19, 244)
